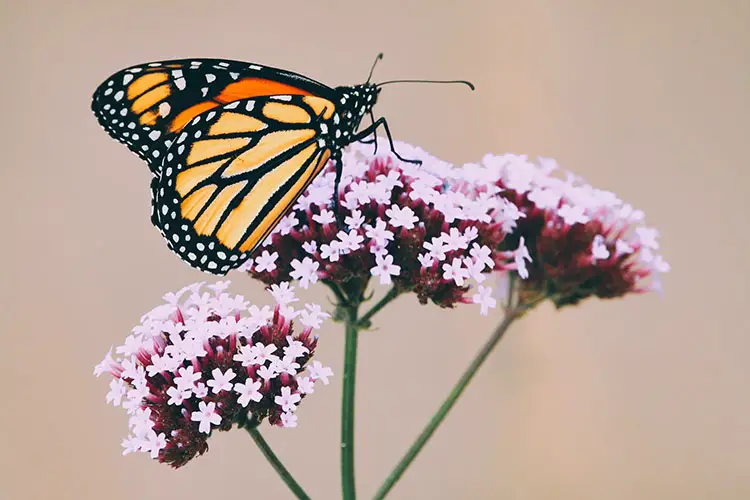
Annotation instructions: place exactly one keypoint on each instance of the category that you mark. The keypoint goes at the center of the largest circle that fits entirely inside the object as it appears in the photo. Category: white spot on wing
(210, 77)
(127, 78)
(154, 135)
(164, 109)
(180, 83)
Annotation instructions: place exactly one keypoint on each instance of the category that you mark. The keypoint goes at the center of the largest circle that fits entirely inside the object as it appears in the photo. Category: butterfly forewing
(146, 106)
(234, 171)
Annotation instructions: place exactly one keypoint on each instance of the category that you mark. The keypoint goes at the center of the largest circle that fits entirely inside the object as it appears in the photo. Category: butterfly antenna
(378, 58)
(463, 82)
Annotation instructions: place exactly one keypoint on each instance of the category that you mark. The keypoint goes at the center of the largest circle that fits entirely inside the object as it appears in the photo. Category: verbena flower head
(573, 241)
(206, 360)
(429, 229)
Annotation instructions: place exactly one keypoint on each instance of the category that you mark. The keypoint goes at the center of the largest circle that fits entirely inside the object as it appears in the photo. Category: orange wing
(234, 172)
(145, 106)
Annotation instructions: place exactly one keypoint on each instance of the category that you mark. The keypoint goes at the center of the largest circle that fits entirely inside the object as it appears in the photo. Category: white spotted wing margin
(234, 172)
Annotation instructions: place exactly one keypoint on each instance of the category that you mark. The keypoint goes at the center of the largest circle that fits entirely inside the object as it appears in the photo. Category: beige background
(634, 399)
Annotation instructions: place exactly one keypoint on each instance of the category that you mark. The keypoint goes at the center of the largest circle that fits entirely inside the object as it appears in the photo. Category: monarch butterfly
(231, 145)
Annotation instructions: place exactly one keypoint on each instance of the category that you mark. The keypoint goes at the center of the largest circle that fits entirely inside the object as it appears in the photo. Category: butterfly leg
(381, 122)
(154, 192)
(336, 198)
(374, 139)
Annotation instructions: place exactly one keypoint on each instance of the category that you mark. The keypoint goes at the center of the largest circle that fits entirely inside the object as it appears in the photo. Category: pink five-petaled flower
(249, 391)
(221, 381)
(402, 223)
(305, 271)
(455, 271)
(289, 419)
(287, 400)
(484, 298)
(320, 372)
(266, 261)
(385, 268)
(205, 361)
(205, 416)
(572, 241)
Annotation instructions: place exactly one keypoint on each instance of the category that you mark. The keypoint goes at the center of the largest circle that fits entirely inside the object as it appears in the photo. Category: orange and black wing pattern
(234, 171)
(146, 106)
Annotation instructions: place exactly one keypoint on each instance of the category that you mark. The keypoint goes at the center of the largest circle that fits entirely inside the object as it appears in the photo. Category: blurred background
(640, 398)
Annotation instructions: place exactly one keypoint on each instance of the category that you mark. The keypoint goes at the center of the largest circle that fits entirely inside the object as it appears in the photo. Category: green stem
(437, 418)
(392, 294)
(348, 488)
(286, 476)
(340, 296)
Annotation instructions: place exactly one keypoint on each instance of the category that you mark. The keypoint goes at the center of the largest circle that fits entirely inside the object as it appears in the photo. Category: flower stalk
(284, 473)
(512, 312)
(348, 485)
(349, 298)
(364, 321)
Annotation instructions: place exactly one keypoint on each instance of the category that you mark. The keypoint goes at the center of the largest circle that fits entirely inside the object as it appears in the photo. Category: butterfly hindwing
(234, 171)
(146, 106)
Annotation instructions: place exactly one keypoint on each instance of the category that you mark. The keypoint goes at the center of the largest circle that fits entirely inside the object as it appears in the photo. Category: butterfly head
(355, 102)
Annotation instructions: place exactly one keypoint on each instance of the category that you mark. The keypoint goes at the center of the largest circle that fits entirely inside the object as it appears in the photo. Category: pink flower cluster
(439, 231)
(209, 361)
(572, 240)
(427, 228)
